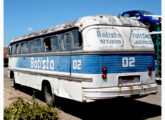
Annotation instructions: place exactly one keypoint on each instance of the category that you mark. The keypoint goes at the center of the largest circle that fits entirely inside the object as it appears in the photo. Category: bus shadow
(117, 109)
(159, 82)
(120, 108)
(31, 92)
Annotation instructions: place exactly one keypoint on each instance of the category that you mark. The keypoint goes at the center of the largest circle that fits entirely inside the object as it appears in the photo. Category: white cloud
(29, 29)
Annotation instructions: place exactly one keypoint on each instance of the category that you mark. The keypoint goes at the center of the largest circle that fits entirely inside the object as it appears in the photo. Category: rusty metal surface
(113, 92)
(84, 22)
(68, 53)
(60, 77)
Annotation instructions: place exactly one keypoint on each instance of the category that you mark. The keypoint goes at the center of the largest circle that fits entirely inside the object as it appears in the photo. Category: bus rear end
(119, 60)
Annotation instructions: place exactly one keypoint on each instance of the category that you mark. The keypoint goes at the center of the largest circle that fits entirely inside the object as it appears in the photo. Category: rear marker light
(104, 76)
(104, 69)
(149, 73)
(149, 67)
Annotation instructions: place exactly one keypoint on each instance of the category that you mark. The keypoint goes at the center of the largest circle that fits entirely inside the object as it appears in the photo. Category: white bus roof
(84, 22)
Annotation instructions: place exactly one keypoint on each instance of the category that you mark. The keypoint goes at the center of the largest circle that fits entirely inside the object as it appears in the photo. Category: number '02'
(77, 64)
(128, 62)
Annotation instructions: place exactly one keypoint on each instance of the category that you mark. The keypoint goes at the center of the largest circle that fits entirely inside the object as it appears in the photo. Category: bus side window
(76, 40)
(36, 46)
(65, 42)
(54, 43)
(13, 49)
(47, 45)
(9, 50)
(24, 47)
(18, 48)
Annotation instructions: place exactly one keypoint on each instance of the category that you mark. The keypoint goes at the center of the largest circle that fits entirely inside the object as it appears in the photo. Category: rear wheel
(48, 95)
(16, 86)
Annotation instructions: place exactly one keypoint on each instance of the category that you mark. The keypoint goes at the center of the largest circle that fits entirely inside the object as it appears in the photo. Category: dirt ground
(146, 108)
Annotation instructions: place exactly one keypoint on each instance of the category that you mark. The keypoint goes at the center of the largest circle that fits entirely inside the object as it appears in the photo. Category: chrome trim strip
(81, 53)
(60, 77)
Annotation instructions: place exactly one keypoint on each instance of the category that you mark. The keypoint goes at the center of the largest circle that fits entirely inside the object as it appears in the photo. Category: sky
(26, 16)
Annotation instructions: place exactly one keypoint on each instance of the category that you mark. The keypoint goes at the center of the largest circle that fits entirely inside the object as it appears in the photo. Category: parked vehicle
(5, 56)
(88, 59)
(151, 21)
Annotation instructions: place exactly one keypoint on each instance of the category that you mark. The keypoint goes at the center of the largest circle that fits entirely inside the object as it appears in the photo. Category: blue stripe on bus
(89, 64)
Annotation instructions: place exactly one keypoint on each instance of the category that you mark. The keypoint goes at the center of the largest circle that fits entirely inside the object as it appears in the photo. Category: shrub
(21, 110)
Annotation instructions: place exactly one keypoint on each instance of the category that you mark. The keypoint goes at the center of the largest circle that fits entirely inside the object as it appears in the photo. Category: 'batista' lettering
(108, 35)
(42, 64)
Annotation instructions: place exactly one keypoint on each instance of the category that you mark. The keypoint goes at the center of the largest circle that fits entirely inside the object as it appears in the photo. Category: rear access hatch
(129, 80)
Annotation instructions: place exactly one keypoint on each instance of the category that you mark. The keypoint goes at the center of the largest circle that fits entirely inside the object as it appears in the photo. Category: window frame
(63, 41)
(49, 37)
(41, 46)
(44, 45)
(13, 49)
(9, 50)
(73, 48)
(18, 48)
(28, 43)
(62, 38)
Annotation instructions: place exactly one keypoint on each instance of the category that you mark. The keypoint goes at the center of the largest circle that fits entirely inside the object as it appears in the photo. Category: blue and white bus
(88, 59)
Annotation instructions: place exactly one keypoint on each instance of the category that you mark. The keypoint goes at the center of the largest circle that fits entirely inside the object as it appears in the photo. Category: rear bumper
(93, 94)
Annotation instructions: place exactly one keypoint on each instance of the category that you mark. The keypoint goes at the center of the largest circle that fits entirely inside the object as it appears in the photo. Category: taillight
(150, 68)
(104, 76)
(149, 73)
(104, 70)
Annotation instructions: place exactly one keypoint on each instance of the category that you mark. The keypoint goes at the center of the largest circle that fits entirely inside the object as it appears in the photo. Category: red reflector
(149, 67)
(149, 73)
(104, 76)
(104, 69)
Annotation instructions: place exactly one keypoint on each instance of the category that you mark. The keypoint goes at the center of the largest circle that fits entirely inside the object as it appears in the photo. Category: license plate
(129, 80)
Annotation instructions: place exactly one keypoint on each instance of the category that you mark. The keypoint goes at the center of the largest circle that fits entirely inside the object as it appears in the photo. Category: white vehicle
(88, 59)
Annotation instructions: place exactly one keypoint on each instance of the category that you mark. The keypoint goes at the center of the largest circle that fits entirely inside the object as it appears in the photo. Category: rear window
(104, 38)
(141, 38)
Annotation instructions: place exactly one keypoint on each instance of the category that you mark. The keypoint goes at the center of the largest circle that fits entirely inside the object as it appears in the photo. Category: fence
(156, 37)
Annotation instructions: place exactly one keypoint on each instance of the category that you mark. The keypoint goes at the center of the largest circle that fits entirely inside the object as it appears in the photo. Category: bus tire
(16, 86)
(48, 95)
